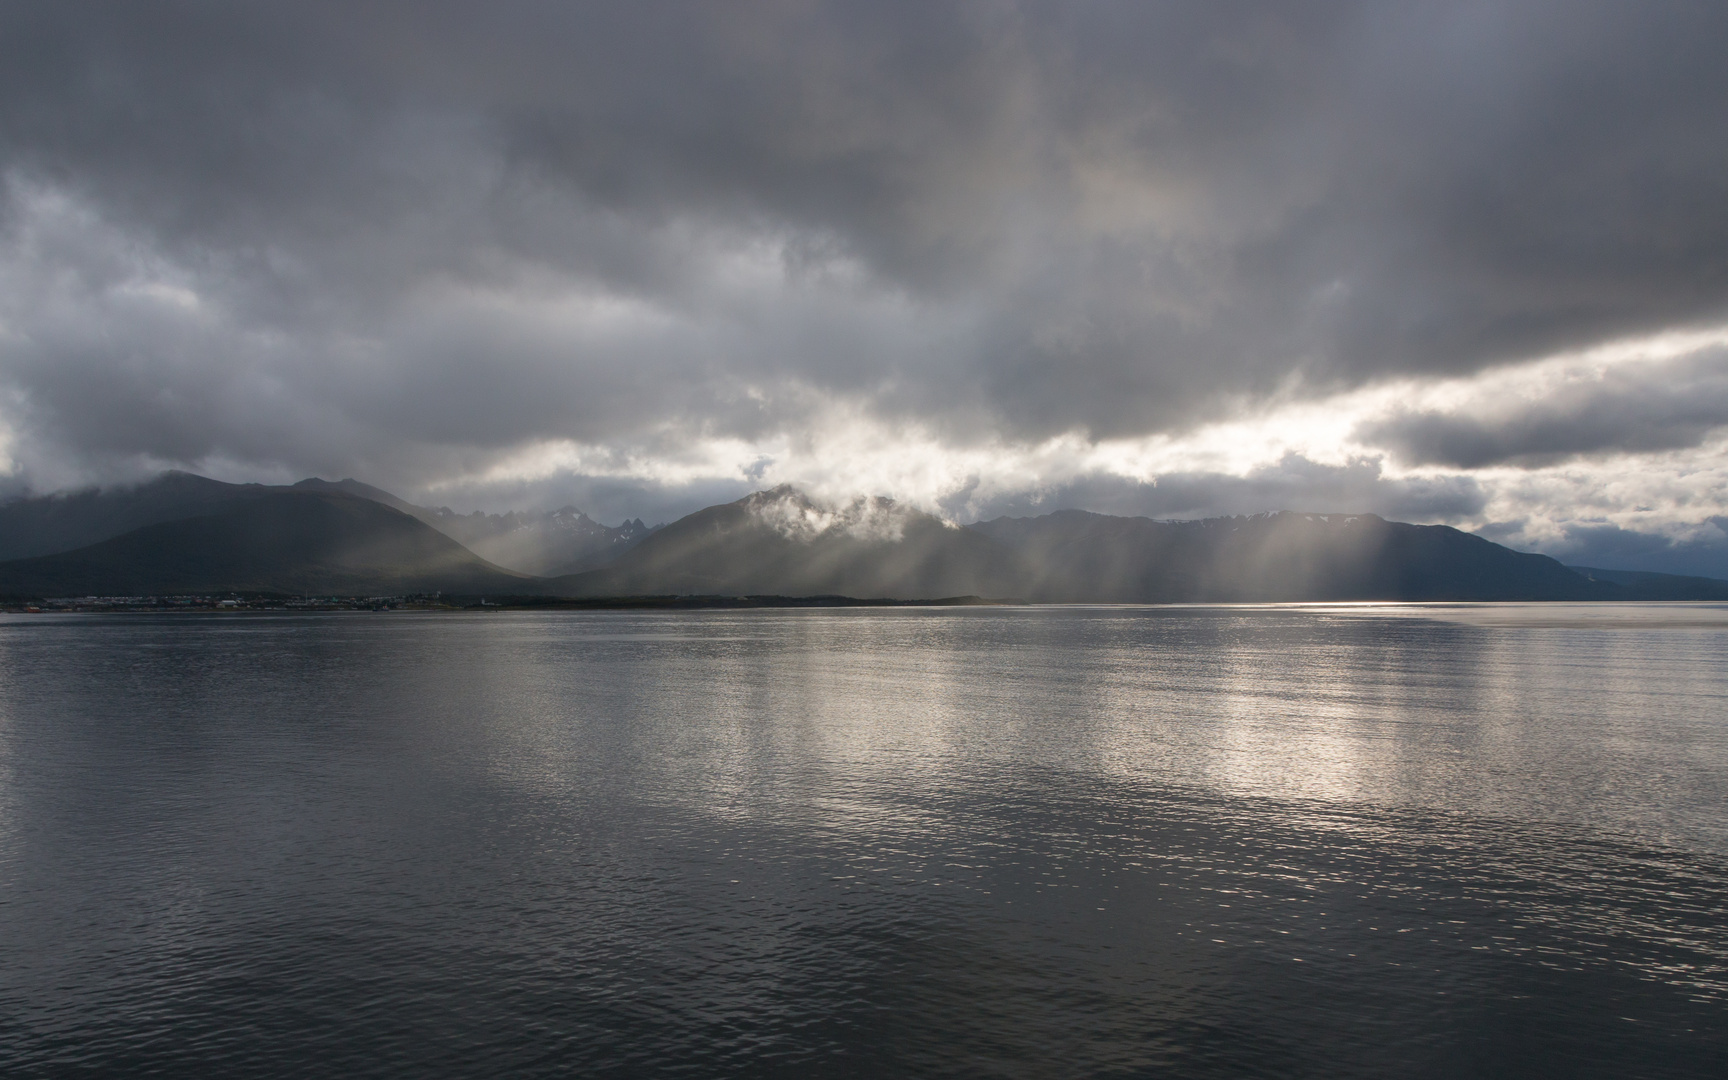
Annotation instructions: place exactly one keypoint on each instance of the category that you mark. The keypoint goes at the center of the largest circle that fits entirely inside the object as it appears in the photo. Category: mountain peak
(797, 516)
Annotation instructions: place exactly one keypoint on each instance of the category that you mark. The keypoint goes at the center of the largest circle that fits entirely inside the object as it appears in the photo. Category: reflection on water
(1345, 840)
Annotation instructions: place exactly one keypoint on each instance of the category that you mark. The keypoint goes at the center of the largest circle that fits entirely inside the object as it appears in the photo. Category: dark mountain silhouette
(42, 525)
(1642, 585)
(366, 491)
(540, 543)
(779, 542)
(302, 542)
(1076, 556)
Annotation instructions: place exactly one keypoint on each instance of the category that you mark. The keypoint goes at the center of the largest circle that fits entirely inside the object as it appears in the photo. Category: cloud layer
(1627, 409)
(1174, 259)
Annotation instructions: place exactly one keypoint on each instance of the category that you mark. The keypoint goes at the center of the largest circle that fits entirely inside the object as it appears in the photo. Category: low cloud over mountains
(199, 537)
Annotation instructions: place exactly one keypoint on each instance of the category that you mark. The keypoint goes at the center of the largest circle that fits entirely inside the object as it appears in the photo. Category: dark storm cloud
(1669, 406)
(407, 236)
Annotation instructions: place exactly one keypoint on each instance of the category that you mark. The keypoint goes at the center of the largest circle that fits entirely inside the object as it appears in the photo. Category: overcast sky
(1449, 262)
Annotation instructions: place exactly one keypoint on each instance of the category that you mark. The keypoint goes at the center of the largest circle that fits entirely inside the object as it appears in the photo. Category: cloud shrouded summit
(969, 255)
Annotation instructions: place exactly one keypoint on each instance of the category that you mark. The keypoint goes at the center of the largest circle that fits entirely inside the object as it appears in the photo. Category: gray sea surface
(1327, 841)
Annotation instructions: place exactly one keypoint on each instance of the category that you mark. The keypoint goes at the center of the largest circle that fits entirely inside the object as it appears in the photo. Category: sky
(1461, 263)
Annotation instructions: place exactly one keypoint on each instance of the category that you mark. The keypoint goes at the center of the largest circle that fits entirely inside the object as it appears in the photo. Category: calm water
(1017, 842)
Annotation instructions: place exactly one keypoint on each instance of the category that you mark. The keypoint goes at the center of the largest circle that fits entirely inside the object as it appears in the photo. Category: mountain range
(781, 542)
(537, 544)
(293, 542)
(183, 534)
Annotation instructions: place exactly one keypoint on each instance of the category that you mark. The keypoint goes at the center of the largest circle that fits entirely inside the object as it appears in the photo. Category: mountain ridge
(1650, 585)
(1078, 556)
(781, 541)
(291, 542)
(538, 544)
(545, 543)
(347, 537)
